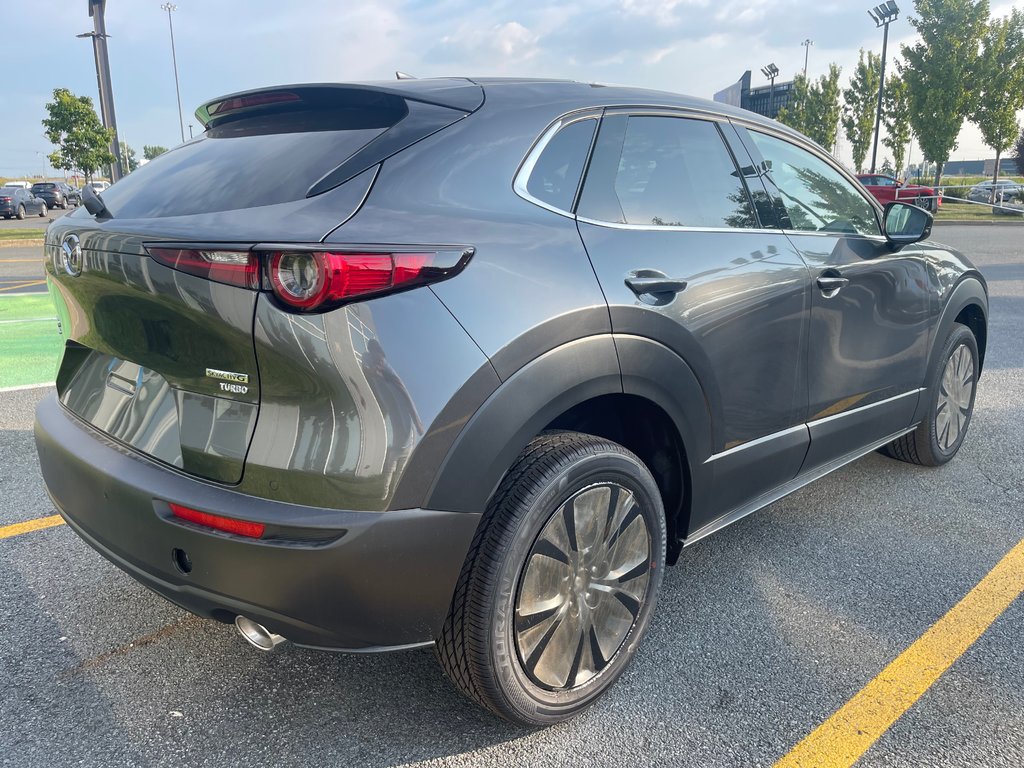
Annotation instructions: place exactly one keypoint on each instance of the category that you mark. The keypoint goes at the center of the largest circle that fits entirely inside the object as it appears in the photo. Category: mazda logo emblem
(71, 255)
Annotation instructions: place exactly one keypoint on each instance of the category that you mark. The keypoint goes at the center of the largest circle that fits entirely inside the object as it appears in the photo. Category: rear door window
(662, 171)
(815, 196)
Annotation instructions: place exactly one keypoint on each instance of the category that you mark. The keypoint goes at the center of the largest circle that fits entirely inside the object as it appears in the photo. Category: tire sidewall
(532, 702)
(960, 335)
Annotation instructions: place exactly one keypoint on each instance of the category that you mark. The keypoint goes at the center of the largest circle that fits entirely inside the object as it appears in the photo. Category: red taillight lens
(253, 100)
(226, 524)
(240, 268)
(308, 279)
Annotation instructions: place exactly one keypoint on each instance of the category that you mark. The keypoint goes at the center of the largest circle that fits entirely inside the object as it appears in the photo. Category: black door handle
(642, 285)
(830, 284)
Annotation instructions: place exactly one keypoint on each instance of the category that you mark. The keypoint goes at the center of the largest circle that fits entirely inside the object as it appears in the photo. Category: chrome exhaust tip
(257, 635)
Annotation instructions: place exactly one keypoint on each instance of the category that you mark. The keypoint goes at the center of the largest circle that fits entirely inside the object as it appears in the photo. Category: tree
(814, 108)
(861, 103)
(82, 142)
(128, 158)
(999, 85)
(887, 168)
(896, 119)
(939, 71)
(149, 151)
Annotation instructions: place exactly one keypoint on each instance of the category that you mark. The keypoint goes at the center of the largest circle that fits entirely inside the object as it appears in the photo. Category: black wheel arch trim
(553, 383)
(969, 291)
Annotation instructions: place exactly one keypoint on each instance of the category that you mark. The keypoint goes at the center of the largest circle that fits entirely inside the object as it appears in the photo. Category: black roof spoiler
(454, 93)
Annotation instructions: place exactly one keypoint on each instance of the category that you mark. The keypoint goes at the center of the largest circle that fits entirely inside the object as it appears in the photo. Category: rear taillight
(217, 522)
(252, 100)
(241, 268)
(307, 279)
(310, 280)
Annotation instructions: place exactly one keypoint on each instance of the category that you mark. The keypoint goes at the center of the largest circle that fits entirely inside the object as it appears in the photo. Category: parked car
(451, 391)
(22, 184)
(71, 194)
(887, 189)
(1007, 191)
(98, 186)
(55, 193)
(17, 202)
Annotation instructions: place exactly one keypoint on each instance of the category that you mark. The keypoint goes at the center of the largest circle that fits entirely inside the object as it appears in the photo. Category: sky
(695, 47)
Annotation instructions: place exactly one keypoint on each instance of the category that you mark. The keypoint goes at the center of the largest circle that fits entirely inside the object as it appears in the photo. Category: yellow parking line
(30, 525)
(29, 284)
(850, 732)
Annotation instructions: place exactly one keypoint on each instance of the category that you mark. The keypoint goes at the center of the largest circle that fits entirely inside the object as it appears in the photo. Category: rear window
(250, 162)
(555, 177)
(41, 187)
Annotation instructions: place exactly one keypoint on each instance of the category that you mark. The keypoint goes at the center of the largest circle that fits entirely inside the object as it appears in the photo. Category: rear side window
(555, 176)
(250, 162)
(816, 197)
(665, 171)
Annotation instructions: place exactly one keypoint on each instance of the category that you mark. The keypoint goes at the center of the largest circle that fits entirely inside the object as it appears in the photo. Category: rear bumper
(358, 581)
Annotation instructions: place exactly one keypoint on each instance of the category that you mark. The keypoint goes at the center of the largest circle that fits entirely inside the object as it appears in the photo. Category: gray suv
(465, 363)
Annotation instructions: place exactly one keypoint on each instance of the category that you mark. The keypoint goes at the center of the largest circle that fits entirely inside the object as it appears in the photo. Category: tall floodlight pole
(99, 49)
(174, 60)
(807, 50)
(771, 72)
(883, 15)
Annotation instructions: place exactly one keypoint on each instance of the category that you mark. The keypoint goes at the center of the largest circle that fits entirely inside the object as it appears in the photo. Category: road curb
(21, 243)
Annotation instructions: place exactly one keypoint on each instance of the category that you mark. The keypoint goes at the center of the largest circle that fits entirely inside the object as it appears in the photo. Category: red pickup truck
(886, 189)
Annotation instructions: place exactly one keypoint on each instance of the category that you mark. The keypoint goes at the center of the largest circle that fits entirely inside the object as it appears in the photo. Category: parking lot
(762, 632)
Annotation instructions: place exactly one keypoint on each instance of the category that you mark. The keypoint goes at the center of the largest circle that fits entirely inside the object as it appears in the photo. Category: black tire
(930, 444)
(21, 213)
(43, 211)
(926, 202)
(64, 204)
(479, 647)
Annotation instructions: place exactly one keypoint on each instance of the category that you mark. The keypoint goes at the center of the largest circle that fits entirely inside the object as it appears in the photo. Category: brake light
(226, 524)
(241, 268)
(309, 280)
(252, 100)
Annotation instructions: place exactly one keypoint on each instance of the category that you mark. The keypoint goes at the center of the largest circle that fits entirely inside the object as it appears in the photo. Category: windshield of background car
(42, 187)
(817, 198)
(664, 171)
(250, 162)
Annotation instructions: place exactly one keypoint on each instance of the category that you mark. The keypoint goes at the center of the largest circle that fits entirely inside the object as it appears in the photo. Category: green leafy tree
(83, 144)
(149, 151)
(1000, 85)
(815, 109)
(128, 158)
(939, 71)
(896, 119)
(860, 104)
(888, 168)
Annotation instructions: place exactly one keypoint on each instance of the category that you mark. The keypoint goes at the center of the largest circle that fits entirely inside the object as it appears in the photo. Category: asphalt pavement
(35, 222)
(762, 631)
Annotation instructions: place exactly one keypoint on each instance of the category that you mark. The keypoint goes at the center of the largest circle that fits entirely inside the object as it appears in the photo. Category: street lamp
(174, 60)
(807, 50)
(883, 15)
(771, 72)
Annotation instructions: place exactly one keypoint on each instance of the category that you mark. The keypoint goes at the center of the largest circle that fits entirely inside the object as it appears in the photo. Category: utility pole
(807, 50)
(174, 60)
(99, 48)
(883, 15)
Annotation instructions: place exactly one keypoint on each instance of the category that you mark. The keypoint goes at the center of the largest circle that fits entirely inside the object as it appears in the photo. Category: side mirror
(905, 224)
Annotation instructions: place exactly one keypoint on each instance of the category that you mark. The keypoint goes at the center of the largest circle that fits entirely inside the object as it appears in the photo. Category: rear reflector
(226, 524)
(240, 268)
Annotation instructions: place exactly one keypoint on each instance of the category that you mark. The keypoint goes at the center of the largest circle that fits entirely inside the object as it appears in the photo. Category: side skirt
(787, 488)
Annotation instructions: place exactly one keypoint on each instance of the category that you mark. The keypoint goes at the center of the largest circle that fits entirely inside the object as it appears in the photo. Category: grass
(29, 342)
(967, 212)
(21, 234)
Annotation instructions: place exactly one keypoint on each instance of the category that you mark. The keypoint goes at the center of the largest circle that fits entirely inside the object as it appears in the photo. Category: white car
(99, 186)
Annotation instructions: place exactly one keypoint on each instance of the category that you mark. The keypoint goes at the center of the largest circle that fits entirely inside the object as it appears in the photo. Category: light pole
(174, 60)
(99, 48)
(807, 50)
(883, 15)
(771, 72)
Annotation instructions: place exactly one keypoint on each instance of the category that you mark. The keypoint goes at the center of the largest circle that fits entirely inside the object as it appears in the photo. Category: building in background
(764, 100)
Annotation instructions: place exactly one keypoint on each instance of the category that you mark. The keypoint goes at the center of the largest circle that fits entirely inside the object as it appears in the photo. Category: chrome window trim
(673, 227)
(522, 178)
